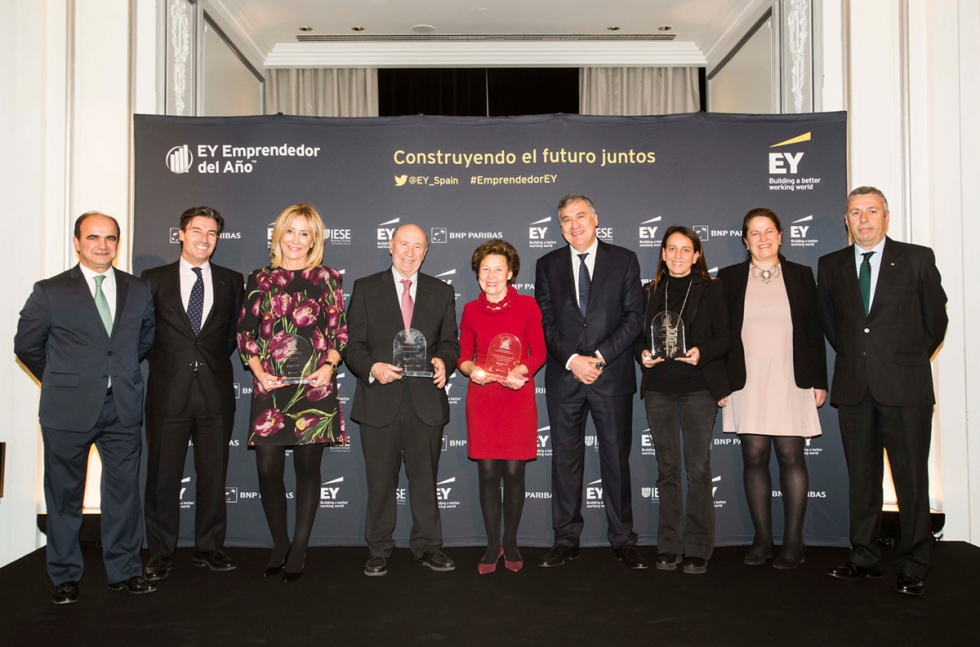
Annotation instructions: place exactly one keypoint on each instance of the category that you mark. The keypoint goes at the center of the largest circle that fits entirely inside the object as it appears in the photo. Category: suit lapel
(220, 289)
(421, 301)
(122, 289)
(391, 295)
(740, 283)
(886, 272)
(87, 301)
(850, 280)
(170, 284)
(691, 308)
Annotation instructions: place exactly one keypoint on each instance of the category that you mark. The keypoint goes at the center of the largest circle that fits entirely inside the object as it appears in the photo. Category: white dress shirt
(874, 261)
(187, 280)
(108, 286)
(590, 268)
(399, 288)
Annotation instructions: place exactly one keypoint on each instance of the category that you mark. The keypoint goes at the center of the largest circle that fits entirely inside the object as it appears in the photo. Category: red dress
(502, 423)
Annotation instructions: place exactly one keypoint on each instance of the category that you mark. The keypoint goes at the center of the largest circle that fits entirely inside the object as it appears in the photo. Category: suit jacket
(63, 343)
(705, 326)
(612, 322)
(889, 349)
(373, 319)
(809, 349)
(176, 349)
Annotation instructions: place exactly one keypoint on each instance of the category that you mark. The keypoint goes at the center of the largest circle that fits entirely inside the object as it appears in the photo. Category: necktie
(864, 279)
(195, 305)
(408, 306)
(102, 304)
(584, 284)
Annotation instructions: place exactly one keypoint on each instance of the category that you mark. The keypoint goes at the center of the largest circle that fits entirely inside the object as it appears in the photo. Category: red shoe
(514, 566)
(483, 569)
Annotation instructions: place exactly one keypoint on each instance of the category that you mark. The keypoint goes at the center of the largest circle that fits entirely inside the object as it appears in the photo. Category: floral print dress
(280, 303)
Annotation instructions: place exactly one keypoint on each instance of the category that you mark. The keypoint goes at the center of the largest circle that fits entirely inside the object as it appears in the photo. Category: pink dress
(770, 404)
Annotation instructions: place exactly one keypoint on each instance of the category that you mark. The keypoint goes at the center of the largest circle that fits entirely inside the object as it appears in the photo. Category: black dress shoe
(631, 557)
(434, 559)
(136, 585)
(376, 567)
(668, 561)
(215, 560)
(758, 556)
(158, 568)
(65, 593)
(910, 585)
(290, 576)
(558, 555)
(784, 563)
(852, 571)
(695, 565)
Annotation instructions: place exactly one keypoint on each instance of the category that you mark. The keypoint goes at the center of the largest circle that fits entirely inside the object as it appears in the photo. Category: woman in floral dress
(295, 297)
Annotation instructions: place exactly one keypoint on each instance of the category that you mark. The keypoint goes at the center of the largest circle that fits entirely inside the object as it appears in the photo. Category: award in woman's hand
(408, 353)
(503, 355)
(667, 339)
(292, 359)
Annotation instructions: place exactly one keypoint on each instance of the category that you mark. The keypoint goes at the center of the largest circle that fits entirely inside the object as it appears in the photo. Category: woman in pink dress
(777, 367)
(501, 413)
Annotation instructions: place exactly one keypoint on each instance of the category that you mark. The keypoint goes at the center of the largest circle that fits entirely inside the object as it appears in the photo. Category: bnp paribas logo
(180, 159)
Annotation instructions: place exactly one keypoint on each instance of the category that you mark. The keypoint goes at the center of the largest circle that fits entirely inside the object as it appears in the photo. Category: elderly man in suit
(190, 394)
(402, 416)
(884, 312)
(82, 334)
(592, 310)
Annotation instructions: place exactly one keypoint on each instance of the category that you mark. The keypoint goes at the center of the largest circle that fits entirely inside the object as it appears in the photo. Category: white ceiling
(703, 26)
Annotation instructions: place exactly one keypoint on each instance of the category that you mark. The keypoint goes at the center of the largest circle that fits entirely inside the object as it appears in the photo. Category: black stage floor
(592, 601)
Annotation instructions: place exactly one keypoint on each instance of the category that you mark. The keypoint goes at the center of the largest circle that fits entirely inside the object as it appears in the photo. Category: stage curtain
(322, 92)
(628, 91)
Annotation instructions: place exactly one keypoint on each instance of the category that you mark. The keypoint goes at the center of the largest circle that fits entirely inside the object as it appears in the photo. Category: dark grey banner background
(709, 170)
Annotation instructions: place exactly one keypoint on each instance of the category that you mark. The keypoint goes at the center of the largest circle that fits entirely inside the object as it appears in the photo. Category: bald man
(401, 415)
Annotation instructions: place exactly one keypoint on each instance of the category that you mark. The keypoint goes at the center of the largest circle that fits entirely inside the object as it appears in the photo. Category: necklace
(767, 275)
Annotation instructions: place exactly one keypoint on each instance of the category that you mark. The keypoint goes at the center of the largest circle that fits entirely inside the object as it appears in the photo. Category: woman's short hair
(500, 248)
(284, 220)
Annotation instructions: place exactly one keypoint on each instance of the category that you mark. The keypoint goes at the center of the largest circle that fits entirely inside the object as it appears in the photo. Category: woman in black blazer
(682, 394)
(778, 372)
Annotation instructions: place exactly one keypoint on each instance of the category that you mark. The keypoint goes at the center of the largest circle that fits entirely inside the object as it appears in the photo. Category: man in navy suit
(884, 312)
(82, 334)
(592, 310)
(190, 393)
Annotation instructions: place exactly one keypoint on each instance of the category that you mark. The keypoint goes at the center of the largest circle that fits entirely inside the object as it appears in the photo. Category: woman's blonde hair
(284, 220)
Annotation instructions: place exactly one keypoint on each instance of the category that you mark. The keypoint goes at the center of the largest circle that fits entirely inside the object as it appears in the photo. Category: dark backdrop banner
(465, 180)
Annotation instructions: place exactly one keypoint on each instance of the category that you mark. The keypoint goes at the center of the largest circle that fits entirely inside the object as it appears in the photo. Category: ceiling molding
(487, 54)
(234, 21)
(736, 23)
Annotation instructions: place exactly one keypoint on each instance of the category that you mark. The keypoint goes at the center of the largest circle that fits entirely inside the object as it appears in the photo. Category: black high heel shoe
(271, 571)
(785, 564)
(289, 576)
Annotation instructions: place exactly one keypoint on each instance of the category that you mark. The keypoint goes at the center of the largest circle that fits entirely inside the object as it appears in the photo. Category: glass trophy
(503, 355)
(408, 353)
(297, 360)
(667, 339)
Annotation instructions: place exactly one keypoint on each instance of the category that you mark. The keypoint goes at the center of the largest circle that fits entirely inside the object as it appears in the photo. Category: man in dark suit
(191, 393)
(82, 334)
(884, 311)
(401, 415)
(592, 310)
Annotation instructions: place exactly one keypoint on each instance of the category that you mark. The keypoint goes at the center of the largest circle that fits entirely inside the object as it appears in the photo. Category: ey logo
(538, 233)
(797, 230)
(782, 163)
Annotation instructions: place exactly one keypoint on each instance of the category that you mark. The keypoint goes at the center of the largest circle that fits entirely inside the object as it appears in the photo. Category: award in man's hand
(292, 359)
(503, 355)
(667, 339)
(408, 353)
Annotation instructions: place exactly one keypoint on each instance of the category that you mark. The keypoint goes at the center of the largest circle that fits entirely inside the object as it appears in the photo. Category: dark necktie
(584, 284)
(864, 279)
(195, 306)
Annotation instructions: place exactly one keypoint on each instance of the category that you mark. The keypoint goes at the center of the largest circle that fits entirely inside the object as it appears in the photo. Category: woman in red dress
(501, 414)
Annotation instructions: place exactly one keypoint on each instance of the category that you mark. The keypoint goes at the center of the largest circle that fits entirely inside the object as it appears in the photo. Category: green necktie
(864, 279)
(102, 304)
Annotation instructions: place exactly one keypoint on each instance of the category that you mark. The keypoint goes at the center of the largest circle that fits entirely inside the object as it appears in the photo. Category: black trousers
(166, 440)
(613, 419)
(65, 464)
(384, 448)
(671, 417)
(905, 433)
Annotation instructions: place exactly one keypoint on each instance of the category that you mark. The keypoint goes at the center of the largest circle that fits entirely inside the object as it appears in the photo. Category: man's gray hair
(569, 199)
(866, 190)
